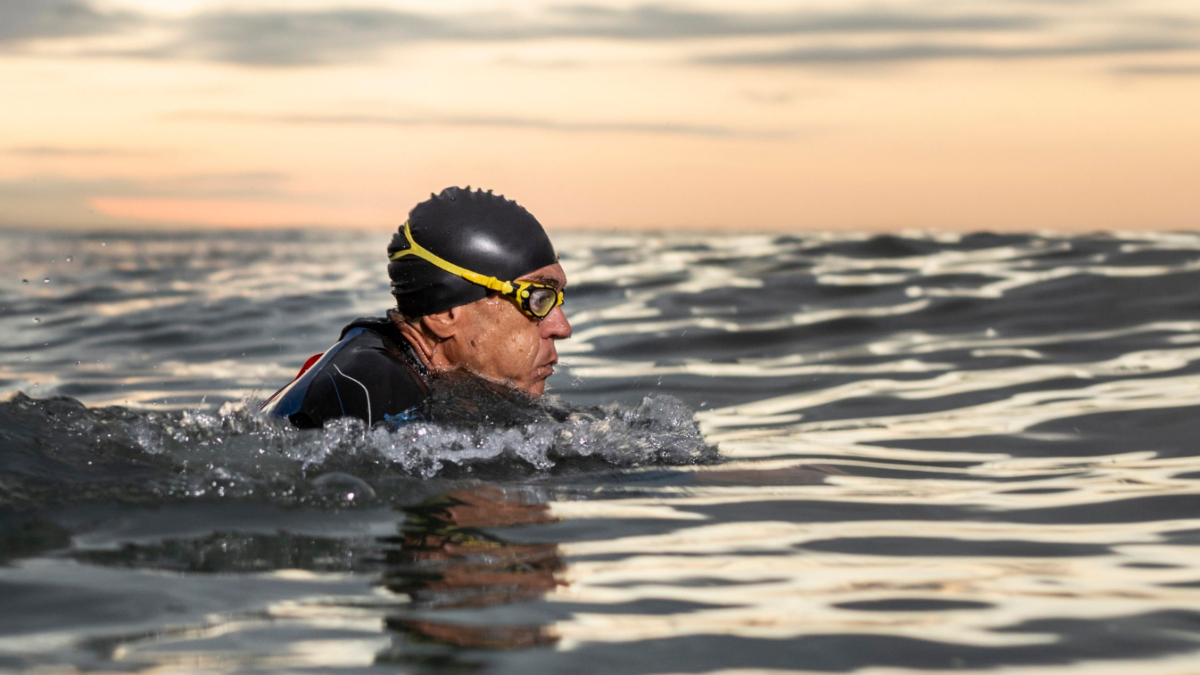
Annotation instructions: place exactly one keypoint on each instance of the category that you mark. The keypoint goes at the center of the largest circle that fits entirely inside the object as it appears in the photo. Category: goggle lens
(541, 301)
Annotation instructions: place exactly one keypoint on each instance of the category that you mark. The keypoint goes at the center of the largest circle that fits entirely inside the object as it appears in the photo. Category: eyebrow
(549, 281)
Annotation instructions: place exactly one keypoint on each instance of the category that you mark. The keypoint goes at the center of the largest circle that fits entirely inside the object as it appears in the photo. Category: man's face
(497, 341)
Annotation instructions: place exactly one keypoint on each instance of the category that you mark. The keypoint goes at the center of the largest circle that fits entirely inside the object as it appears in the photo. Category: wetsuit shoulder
(371, 372)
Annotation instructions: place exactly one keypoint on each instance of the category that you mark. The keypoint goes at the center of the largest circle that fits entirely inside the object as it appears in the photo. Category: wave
(60, 451)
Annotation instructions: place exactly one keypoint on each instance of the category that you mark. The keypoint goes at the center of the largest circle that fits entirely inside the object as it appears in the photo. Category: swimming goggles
(533, 298)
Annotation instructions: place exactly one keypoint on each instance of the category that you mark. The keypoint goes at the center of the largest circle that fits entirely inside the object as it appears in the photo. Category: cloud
(58, 201)
(1159, 71)
(772, 98)
(228, 185)
(294, 38)
(659, 22)
(547, 64)
(22, 20)
(236, 185)
(283, 37)
(660, 128)
(836, 55)
(61, 151)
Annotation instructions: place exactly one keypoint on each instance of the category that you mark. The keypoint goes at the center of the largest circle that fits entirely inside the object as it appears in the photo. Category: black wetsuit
(372, 373)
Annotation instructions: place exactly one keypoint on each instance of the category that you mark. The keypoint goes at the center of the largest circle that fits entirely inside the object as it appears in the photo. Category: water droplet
(46, 280)
(24, 282)
(36, 320)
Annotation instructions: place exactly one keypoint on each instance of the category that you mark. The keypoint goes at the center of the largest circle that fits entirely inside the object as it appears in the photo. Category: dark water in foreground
(975, 453)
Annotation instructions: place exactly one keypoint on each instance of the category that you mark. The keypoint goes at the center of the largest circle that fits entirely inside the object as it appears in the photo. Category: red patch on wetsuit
(303, 369)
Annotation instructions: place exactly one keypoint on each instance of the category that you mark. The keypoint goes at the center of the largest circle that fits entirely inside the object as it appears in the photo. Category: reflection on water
(234, 552)
(370, 600)
(972, 453)
(446, 560)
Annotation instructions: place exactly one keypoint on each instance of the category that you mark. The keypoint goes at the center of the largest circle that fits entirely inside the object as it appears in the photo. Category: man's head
(456, 268)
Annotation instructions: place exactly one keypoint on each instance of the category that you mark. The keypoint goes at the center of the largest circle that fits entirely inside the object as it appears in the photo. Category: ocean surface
(842, 453)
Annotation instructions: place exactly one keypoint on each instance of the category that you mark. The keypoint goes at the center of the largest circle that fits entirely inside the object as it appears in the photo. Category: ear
(444, 324)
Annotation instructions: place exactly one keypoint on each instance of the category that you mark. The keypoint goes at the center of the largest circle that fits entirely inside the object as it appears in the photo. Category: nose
(555, 326)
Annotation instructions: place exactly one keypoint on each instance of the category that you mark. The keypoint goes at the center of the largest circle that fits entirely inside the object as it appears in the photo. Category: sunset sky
(786, 116)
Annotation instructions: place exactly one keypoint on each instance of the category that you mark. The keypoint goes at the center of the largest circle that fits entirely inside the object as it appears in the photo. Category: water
(819, 453)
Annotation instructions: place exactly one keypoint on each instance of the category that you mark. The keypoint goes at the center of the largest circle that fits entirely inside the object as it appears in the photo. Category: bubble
(46, 280)
(104, 243)
(70, 258)
(336, 479)
(37, 319)
(24, 282)
(79, 363)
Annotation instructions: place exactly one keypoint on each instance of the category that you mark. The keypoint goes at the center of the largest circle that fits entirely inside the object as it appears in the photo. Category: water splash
(61, 451)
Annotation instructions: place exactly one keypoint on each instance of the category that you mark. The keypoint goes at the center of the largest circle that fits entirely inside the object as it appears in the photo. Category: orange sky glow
(749, 116)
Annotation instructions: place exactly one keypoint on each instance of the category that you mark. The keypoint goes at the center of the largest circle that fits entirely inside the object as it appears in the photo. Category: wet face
(497, 341)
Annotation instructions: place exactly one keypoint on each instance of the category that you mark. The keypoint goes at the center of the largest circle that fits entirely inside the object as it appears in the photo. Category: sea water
(818, 453)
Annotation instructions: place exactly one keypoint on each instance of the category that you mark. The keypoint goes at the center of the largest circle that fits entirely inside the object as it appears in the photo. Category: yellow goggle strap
(428, 256)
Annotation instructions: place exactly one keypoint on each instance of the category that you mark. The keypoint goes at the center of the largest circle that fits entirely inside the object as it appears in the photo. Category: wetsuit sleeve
(362, 376)
(325, 401)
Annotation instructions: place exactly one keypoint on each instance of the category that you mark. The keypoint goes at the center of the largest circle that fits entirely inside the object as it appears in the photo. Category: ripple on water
(942, 452)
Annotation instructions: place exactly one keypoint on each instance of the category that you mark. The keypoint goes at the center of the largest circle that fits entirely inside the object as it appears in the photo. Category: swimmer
(478, 291)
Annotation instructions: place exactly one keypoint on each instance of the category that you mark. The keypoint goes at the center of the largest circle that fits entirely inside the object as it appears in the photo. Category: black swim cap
(478, 230)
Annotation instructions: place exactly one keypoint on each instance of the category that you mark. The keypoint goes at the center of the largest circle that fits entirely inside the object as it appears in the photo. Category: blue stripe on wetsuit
(341, 406)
